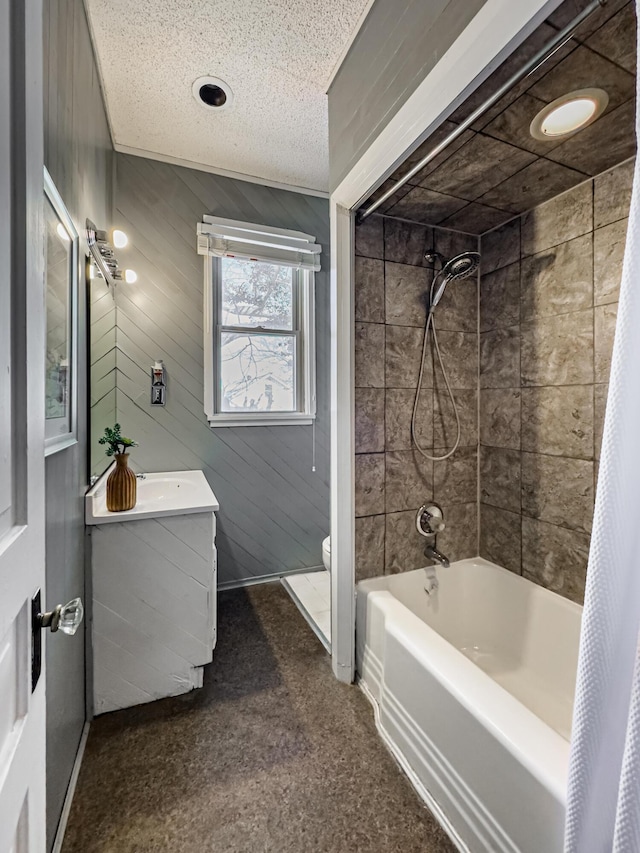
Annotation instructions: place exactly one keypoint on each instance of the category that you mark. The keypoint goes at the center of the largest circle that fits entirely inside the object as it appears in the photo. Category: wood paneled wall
(396, 47)
(102, 377)
(78, 154)
(274, 508)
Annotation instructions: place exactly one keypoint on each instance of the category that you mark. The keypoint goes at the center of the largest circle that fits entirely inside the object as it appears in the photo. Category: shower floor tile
(311, 593)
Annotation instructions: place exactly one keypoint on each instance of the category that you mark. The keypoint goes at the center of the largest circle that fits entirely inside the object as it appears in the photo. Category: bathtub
(472, 688)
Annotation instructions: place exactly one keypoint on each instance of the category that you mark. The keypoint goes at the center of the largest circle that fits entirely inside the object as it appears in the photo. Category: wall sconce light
(128, 276)
(119, 238)
(104, 262)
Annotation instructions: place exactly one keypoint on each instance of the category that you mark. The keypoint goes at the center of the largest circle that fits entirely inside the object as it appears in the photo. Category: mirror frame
(69, 438)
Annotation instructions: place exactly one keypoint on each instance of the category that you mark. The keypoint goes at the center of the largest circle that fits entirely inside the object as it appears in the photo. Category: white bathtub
(473, 690)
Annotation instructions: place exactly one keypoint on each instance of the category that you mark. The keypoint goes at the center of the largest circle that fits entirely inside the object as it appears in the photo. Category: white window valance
(226, 238)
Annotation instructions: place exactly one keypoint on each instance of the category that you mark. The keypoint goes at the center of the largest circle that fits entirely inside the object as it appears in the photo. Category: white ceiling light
(212, 93)
(119, 238)
(130, 276)
(569, 114)
(62, 232)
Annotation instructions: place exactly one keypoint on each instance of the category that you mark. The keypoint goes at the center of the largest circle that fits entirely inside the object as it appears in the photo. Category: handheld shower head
(461, 266)
(455, 269)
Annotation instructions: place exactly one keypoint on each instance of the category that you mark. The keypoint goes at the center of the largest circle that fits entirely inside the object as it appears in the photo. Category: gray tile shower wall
(534, 361)
(392, 478)
(548, 303)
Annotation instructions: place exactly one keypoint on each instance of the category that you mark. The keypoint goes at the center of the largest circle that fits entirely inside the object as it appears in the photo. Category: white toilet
(326, 553)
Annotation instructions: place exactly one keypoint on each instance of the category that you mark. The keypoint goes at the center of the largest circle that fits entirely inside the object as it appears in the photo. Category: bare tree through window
(257, 366)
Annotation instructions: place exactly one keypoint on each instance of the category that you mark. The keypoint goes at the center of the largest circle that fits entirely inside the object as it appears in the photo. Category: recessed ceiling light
(212, 93)
(569, 114)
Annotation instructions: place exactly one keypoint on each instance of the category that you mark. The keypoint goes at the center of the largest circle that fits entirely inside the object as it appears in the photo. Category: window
(259, 324)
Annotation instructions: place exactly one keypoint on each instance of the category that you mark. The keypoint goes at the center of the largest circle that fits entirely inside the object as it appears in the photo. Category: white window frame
(218, 238)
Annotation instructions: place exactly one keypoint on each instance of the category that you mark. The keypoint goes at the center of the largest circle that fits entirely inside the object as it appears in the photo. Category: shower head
(461, 266)
(456, 268)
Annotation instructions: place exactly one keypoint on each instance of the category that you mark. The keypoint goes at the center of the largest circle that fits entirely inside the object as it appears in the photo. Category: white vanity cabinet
(154, 590)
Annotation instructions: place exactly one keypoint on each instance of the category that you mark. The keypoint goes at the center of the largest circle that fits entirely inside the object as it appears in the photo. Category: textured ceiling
(277, 56)
(497, 169)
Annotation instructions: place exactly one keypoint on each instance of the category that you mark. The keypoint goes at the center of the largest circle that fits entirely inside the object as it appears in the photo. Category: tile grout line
(384, 379)
(520, 375)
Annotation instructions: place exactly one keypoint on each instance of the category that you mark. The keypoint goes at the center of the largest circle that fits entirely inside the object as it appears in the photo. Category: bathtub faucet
(429, 522)
(432, 552)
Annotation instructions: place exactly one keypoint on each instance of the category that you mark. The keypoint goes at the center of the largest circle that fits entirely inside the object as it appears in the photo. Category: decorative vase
(122, 485)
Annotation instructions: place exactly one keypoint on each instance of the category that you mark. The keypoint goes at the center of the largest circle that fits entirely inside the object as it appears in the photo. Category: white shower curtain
(603, 806)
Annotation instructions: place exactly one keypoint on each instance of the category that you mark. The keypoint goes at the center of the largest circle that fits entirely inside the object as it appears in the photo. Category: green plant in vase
(115, 441)
(122, 485)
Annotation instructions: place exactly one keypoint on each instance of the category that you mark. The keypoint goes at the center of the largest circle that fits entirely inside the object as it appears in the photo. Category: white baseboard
(267, 578)
(66, 808)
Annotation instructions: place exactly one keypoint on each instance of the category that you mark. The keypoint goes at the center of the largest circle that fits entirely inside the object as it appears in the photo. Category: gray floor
(273, 754)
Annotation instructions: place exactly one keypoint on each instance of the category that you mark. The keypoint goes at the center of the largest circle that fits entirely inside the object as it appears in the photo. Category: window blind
(225, 238)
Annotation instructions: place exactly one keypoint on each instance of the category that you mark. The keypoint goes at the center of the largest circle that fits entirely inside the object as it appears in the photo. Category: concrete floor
(272, 755)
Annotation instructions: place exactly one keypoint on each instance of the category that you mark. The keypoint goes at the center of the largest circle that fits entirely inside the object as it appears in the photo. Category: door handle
(65, 617)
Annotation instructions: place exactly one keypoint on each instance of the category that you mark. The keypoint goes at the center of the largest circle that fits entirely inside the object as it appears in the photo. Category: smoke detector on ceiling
(212, 93)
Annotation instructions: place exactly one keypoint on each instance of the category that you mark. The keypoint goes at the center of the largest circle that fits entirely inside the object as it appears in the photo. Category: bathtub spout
(432, 552)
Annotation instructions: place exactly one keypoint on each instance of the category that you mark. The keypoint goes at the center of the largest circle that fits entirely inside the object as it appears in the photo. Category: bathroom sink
(160, 494)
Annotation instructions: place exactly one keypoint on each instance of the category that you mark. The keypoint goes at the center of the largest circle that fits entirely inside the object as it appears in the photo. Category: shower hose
(431, 326)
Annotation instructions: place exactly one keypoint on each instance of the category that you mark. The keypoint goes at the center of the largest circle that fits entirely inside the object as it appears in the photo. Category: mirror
(61, 293)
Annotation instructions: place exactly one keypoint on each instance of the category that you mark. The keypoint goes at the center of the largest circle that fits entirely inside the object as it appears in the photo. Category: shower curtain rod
(543, 54)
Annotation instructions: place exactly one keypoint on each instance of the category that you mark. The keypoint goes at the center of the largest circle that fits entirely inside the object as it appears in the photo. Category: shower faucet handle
(430, 520)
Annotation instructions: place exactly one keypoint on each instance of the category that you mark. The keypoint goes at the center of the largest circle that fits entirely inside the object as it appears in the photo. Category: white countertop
(159, 494)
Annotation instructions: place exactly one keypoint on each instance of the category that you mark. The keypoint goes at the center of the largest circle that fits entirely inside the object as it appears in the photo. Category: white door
(22, 711)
